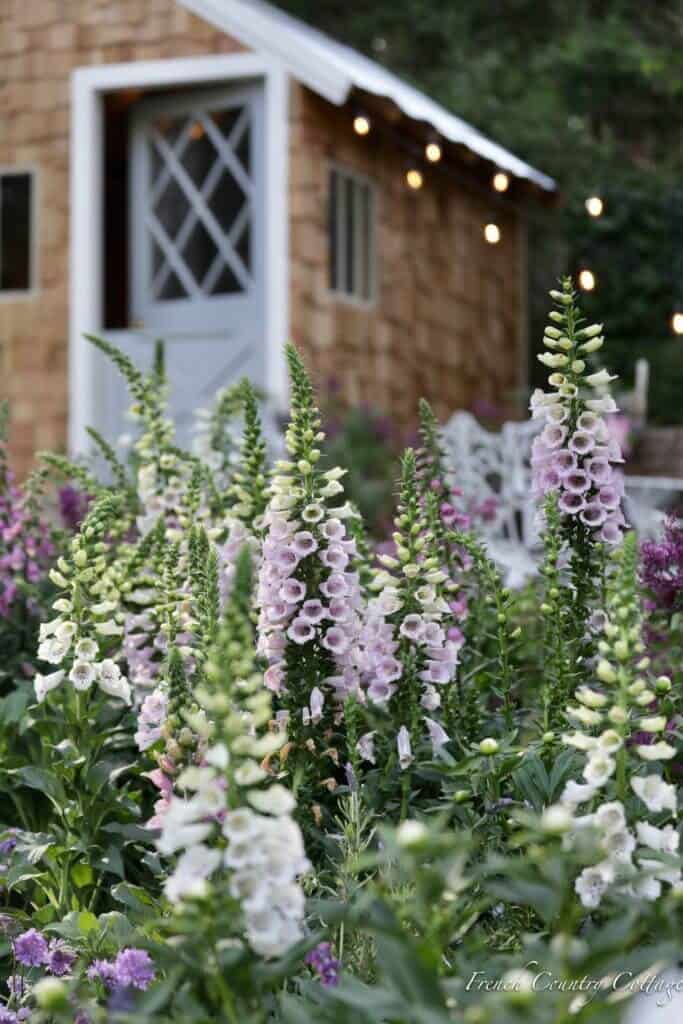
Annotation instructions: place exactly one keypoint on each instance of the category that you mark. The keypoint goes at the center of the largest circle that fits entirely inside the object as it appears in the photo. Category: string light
(501, 181)
(414, 178)
(361, 124)
(594, 205)
(433, 151)
(492, 234)
(677, 323)
(587, 280)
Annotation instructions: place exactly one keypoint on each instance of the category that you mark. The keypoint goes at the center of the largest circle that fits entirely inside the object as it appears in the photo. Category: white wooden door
(196, 260)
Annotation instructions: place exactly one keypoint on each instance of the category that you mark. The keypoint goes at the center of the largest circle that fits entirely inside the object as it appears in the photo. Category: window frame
(338, 295)
(13, 170)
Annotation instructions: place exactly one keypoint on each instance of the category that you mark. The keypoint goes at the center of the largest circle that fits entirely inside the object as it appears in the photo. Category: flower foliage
(262, 772)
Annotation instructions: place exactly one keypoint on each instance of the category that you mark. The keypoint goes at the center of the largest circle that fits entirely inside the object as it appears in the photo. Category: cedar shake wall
(41, 42)
(447, 319)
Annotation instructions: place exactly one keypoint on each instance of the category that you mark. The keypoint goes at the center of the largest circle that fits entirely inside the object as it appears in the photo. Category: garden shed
(217, 173)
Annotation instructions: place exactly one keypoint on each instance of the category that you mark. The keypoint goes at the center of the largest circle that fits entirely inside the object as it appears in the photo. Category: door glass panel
(199, 252)
(198, 210)
(171, 208)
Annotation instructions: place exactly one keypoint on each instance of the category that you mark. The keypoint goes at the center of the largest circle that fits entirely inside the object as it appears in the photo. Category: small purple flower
(565, 460)
(134, 968)
(292, 591)
(326, 966)
(30, 948)
(104, 971)
(61, 958)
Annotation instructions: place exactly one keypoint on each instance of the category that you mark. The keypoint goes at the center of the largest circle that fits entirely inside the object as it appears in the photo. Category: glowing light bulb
(492, 234)
(501, 181)
(361, 124)
(677, 323)
(587, 280)
(414, 178)
(433, 152)
(594, 206)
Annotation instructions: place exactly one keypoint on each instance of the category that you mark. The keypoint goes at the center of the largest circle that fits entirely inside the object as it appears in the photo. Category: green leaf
(82, 875)
(40, 779)
(133, 896)
(87, 922)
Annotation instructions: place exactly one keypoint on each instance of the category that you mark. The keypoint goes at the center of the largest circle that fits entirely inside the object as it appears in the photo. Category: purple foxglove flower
(549, 479)
(334, 586)
(553, 435)
(316, 703)
(581, 442)
(379, 692)
(405, 754)
(336, 640)
(576, 481)
(335, 558)
(286, 559)
(456, 636)
(274, 678)
(388, 668)
(437, 672)
(431, 698)
(339, 609)
(433, 634)
(333, 529)
(611, 532)
(614, 451)
(366, 747)
(609, 497)
(412, 627)
(312, 611)
(590, 422)
(599, 470)
(437, 735)
(292, 591)
(300, 631)
(593, 514)
(304, 543)
(570, 503)
(565, 460)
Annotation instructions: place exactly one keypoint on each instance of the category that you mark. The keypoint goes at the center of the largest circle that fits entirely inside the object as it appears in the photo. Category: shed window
(351, 230)
(16, 231)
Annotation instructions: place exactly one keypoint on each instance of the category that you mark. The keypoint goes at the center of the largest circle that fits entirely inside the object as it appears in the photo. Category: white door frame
(86, 304)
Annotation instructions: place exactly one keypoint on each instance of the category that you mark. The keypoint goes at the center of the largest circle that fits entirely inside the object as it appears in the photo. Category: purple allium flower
(661, 566)
(134, 968)
(30, 948)
(326, 966)
(61, 958)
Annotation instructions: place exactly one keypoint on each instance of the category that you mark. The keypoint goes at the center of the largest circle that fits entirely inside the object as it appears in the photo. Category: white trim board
(87, 224)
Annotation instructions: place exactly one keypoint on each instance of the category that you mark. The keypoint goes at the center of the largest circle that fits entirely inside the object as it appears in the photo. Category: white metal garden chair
(495, 467)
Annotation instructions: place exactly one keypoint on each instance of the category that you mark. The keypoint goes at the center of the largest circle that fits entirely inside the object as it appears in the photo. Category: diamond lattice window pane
(226, 282)
(172, 288)
(226, 200)
(243, 150)
(171, 208)
(199, 252)
(199, 154)
(243, 247)
(170, 128)
(225, 120)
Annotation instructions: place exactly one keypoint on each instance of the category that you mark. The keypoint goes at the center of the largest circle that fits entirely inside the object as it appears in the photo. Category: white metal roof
(332, 70)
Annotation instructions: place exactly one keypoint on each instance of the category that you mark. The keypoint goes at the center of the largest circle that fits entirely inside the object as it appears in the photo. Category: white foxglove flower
(86, 649)
(191, 872)
(111, 681)
(53, 650)
(366, 747)
(240, 824)
(599, 379)
(437, 735)
(609, 741)
(108, 628)
(43, 684)
(592, 884)
(610, 817)
(66, 630)
(411, 833)
(276, 800)
(605, 405)
(182, 827)
(83, 674)
(656, 794)
(250, 773)
(556, 820)
(574, 793)
(579, 740)
(663, 840)
(619, 845)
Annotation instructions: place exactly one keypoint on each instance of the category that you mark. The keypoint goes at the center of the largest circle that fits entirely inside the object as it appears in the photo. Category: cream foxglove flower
(43, 684)
(663, 840)
(275, 800)
(189, 878)
(656, 751)
(592, 884)
(599, 769)
(82, 674)
(599, 379)
(610, 817)
(656, 794)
